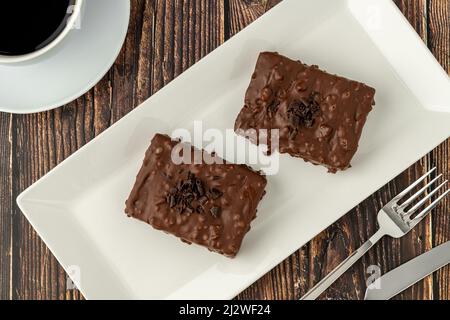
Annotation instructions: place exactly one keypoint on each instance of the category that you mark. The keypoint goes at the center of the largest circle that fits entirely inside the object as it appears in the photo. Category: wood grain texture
(438, 15)
(165, 38)
(6, 203)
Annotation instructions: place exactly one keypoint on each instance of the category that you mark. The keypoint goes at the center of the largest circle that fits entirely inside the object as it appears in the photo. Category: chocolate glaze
(320, 116)
(219, 212)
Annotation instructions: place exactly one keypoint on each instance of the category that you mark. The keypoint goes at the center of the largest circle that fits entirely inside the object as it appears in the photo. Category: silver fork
(393, 221)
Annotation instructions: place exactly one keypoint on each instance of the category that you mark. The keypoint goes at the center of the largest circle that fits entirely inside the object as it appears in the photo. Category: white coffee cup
(75, 13)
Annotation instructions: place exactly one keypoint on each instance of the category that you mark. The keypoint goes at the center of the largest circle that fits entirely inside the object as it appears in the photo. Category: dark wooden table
(164, 39)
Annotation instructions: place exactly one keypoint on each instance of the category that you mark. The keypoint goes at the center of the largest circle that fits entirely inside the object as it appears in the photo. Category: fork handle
(320, 287)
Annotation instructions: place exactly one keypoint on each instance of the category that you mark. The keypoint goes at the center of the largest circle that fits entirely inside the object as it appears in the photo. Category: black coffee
(29, 25)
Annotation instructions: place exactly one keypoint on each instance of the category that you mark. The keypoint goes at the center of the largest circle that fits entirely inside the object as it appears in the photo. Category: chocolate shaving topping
(202, 200)
(302, 113)
(200, 188)
(172, 201)
(189, 210)
(215, 194)
(190, 193)
(273, 107)
(199, 209)
(215, 211)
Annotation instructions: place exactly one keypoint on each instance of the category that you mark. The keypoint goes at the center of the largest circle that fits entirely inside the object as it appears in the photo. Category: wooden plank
(40, 142)
(6, 202)
(144, 31)
(34, 275)
(439, 44)
(242, 13)
(129, 81)
(439, 31)
(185, 31)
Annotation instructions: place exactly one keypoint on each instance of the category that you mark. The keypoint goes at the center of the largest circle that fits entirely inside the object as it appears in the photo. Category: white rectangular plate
(78, 207)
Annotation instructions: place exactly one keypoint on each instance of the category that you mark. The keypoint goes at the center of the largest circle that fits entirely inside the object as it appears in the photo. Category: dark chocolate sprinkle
(303, 113)
(200, 188)
(202, 200)
(273, 107)
(189, 193)
(172, 201)
(199, 209)
(189, 209)
(215, 193)
(215, 211)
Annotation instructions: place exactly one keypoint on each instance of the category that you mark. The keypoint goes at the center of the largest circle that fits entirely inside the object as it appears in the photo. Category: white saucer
(73, 67)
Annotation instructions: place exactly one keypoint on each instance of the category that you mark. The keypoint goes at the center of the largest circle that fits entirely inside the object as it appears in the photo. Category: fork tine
(418, 193)
(430, 207)
(404, 192)
(425, 199)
